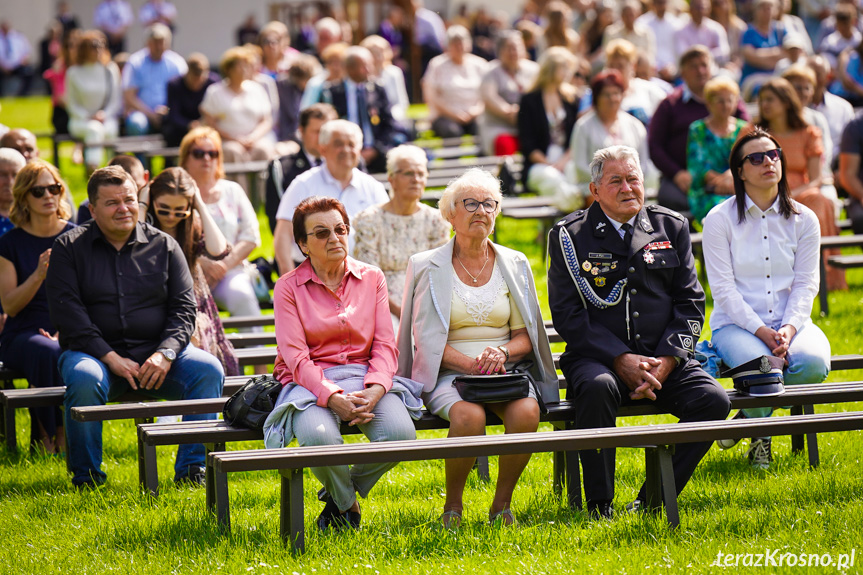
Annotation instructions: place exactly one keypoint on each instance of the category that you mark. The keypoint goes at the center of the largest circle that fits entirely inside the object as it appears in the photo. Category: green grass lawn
(48, 527)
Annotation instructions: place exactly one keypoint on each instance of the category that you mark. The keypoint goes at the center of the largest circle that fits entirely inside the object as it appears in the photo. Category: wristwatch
(169, 353)
(504, 350)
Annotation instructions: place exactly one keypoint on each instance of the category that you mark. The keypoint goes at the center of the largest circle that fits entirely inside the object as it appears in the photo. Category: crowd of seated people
(382, 301)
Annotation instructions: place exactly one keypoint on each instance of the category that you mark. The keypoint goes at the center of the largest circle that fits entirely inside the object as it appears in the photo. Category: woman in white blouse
(93, 96)
(240, 110)
(231, 284)
(761, 250)
(606, 124)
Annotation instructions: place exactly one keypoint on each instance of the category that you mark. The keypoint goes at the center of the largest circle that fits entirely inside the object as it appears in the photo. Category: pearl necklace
(475, 278)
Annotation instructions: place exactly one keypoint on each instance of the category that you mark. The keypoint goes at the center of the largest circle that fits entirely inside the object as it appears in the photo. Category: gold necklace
(475, 278)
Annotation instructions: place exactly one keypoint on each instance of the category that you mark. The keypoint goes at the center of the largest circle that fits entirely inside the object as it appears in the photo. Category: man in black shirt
(120, 294)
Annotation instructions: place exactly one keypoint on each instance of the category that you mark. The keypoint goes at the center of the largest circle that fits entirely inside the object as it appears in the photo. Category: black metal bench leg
(572, 471)
(9, 429)
(151, 470)
(223, 503)
(291, 527)
(559, 466)
(210, 479)
(811, 440)
(796, 440)
(669, 489)
(822, 289)
(653, 480)
(481, 466)
(660, 483)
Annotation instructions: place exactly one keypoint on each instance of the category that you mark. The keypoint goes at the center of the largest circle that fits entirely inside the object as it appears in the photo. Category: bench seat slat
(520, 443)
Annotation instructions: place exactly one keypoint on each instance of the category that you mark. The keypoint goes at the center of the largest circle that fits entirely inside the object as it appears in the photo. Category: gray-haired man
(625, 298)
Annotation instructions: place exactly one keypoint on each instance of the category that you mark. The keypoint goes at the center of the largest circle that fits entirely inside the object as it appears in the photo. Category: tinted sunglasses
(201, 154)
(39, 191)
(181, 214)
(324, 233)
(757, 158)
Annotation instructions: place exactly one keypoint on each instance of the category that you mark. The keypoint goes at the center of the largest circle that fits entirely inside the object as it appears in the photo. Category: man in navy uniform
(625, 298)
(364, 102)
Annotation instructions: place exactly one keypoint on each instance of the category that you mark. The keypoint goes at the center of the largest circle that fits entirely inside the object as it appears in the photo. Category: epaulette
(569, 218)
(665, 211)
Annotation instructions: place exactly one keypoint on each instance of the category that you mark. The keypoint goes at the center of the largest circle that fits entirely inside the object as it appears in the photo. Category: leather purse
(515, 384)
(251, 405)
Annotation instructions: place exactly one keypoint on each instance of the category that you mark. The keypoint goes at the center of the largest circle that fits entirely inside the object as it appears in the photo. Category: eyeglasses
(324, 233)
(39, 191)
(201, 154)
(757, 158)
(181, 214)
(488, 206)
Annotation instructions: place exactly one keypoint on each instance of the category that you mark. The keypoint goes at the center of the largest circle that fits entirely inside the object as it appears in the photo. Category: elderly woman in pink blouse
(337, 358)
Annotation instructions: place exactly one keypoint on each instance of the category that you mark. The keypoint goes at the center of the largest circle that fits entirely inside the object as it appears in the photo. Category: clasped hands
(643, 375)
(777, 340)
(151, 375)
(356, 407)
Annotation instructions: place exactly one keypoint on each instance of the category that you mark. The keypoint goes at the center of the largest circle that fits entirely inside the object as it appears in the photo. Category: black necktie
(317, 162)
(627, 234)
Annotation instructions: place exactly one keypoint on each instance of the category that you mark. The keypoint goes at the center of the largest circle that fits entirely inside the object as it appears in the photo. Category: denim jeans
(808, 355)
(195, 374)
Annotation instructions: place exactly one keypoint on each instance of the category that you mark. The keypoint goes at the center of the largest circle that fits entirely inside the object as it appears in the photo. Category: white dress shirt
(113, 16)
(763, 271)
(363, 192)
(664, 30)
(15, 49)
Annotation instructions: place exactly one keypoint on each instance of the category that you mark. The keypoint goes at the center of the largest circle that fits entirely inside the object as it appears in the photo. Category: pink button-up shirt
(317, 329)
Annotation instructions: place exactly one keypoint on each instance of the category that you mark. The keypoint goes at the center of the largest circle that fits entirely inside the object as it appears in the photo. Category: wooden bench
(827, 242)
(846, 262)
(658, 440)
(216, 434)
(12, 399)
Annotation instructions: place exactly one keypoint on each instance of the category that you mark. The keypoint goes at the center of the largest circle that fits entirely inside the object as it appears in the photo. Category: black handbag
(252, 404)
(510, 386)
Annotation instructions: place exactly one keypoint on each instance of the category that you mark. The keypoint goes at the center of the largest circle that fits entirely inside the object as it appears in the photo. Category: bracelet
(504, 350)
(140, 203)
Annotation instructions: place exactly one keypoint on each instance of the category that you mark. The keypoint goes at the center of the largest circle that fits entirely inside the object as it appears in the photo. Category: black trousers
(688, 393)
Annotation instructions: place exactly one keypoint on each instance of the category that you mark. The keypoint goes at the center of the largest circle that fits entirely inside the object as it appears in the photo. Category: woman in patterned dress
(389, 234)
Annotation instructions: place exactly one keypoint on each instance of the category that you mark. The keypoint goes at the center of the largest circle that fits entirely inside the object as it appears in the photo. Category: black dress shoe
(330, 514)
(601, 509)
(353, 519)
(195, 476)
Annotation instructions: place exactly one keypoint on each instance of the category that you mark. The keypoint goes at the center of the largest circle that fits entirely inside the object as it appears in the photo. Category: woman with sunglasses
(227, 203)
(337, 358)
(781, 114)
(484, 298)
(761, 250)
(175, 207)
(27, 342)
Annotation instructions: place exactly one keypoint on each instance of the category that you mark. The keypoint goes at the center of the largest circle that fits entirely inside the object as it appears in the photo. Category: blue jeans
(137, 124)
(808, 355)
(195, 374)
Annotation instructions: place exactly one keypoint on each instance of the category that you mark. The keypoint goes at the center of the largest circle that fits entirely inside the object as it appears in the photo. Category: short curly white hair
(473, 179)
(405, 152)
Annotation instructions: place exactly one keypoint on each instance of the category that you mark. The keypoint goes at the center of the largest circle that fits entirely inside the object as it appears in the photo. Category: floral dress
(388, 240)
(705, 151)
(209, 334)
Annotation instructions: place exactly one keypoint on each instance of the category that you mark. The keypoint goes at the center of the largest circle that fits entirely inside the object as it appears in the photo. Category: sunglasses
(324, 233)
(39, 191)
(757, 158)
(181, 214)
(488, 206)
(201, 154)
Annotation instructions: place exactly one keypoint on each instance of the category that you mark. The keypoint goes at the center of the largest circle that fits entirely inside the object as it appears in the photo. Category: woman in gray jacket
(470, 307)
